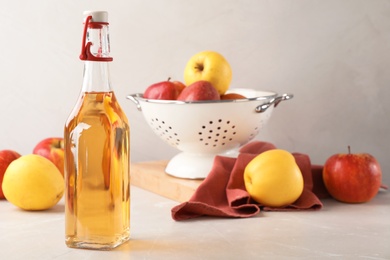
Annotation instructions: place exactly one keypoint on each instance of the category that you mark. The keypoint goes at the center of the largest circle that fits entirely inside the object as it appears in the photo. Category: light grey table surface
(344, 231)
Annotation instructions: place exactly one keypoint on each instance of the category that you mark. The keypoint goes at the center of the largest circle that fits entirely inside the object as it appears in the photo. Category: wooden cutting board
(151, 176)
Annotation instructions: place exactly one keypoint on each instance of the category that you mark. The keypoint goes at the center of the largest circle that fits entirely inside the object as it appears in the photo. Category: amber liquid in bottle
(97, 174)
(97, 212)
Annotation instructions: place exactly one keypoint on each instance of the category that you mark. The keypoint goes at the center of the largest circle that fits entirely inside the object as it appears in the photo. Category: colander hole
(211, 122)
(227, 122)
(234, 133)
(203, 126)
(217, 135)
(163, 122)
(219, 128)
(219, 120)
(210, 131)
(200, 133)
(201, 139)
(234, 126)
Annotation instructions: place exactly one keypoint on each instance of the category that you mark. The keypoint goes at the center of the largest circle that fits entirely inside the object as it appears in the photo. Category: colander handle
(133, 98)
(275, 101)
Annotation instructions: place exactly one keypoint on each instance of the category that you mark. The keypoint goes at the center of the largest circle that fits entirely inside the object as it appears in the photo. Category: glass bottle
(96, 137)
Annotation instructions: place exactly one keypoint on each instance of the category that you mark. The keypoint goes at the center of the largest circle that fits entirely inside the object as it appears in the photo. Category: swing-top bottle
(97, 179)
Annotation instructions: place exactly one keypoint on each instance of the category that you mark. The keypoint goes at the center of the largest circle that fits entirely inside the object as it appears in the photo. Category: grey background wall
(334, 56)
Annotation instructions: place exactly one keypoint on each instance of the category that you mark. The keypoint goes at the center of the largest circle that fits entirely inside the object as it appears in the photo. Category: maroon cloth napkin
(223, 193)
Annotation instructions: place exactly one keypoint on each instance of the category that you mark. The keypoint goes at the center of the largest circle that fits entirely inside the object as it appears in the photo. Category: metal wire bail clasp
(86, 46)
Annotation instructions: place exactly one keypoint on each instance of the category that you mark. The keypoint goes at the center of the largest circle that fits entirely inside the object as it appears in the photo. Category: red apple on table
(199, 90)
(53, 149)
(164, 90)
(352, 178)
(6, 157)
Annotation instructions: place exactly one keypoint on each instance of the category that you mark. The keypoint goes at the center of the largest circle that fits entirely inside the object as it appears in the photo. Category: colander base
(192, 165)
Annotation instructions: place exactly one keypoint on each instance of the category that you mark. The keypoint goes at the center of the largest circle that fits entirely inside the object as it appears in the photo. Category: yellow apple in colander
(209, 66)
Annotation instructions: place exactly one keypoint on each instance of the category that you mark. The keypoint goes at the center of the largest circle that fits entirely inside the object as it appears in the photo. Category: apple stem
(199, 67)
(169, 78)
(349, 149)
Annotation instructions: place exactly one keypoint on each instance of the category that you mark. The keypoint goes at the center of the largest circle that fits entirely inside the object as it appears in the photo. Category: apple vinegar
(97, 187)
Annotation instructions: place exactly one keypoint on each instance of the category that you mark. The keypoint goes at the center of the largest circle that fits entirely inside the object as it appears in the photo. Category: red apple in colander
(198, 91)
(164, 90)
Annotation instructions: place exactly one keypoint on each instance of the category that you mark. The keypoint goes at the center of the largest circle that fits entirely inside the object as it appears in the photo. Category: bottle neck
(96, 77)
(98, 35)
(96, 71)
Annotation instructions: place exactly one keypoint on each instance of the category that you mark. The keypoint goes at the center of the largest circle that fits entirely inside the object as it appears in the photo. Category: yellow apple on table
(33, 182)
(273, 178)
(210, 66)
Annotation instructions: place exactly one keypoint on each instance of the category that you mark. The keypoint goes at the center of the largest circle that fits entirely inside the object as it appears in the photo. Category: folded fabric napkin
(223, 193)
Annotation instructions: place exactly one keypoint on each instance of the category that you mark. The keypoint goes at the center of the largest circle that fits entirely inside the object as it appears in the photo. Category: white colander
(203, 129)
